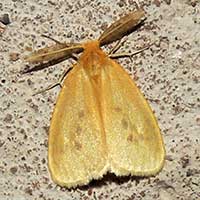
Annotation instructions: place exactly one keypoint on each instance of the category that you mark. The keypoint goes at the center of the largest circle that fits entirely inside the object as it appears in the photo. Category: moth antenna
(49, 37)
(121, 55)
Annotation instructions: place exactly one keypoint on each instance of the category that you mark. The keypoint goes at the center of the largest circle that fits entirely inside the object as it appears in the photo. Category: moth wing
(134, 142)
(77, 151)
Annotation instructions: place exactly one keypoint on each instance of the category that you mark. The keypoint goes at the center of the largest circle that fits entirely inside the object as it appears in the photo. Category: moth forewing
(54, 52)
(121, 27)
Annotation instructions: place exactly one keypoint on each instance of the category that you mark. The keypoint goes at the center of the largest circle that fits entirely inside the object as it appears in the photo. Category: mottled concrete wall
(168, 74)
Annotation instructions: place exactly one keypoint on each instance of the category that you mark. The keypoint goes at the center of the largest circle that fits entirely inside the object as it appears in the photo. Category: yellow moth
(101, 122)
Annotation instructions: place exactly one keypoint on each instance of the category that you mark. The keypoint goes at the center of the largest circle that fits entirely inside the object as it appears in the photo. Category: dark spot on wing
(78, 130)
(124, 123)
(117, 109)
(77, 145)
(81, 114)
(130, 138)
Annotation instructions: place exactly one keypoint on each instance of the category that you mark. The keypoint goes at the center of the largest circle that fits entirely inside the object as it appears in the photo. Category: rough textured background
(168, 74)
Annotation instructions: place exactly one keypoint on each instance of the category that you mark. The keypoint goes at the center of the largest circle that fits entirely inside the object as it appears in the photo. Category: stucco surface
(168, 74)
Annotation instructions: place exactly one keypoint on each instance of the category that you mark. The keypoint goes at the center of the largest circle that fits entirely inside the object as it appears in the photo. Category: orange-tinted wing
(134, 142)
(77, 151)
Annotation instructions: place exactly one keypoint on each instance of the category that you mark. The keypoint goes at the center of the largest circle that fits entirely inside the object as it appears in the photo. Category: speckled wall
(168, 74)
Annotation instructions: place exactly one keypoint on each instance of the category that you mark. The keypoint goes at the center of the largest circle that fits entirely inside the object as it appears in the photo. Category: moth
(101, 122)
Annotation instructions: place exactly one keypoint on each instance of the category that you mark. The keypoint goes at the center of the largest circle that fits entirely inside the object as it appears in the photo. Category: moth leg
(58, 83)
(120, 55)
(117, 45)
